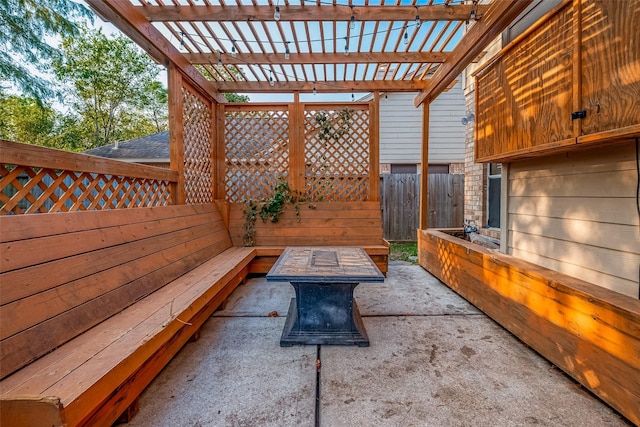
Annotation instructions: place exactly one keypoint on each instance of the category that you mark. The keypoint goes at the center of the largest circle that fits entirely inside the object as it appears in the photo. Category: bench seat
(114, 361)
(178, 265)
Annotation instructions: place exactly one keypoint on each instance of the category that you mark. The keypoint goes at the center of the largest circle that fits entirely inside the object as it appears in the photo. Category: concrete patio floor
(434, 360)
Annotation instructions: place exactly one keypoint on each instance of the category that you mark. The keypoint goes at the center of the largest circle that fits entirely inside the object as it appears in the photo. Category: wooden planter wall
(589, 332)
(583, 56)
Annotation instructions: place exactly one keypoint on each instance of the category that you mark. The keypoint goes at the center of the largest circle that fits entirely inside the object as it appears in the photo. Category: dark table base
(324, 313)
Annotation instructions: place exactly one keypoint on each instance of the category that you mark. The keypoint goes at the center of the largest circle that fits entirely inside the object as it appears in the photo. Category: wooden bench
(325, 224)
(94, 304)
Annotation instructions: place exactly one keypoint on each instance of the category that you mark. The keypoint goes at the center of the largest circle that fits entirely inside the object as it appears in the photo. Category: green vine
(330, 130)
(270, 209)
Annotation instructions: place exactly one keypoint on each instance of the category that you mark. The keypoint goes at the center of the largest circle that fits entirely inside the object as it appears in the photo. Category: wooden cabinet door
(524, 99)
(610, 55)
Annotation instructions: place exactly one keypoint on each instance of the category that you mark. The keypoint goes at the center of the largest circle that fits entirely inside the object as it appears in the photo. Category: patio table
(324, 310)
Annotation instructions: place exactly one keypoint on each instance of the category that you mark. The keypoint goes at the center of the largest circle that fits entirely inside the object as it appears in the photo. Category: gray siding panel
(401, 128)
(576, 213)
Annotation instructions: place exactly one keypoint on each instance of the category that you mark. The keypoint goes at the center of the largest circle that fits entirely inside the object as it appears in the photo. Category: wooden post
(424, 174)
(176, 133)
(374, 147)
(213, 147)
(296, 144)
(220, 166)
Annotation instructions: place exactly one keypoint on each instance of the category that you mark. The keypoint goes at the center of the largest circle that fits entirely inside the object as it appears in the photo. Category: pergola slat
(320, 58)
(323, 86)
(302, 13)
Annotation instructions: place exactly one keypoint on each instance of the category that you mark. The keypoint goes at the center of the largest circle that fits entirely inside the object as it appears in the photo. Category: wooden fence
(400, 201)
(42, 180)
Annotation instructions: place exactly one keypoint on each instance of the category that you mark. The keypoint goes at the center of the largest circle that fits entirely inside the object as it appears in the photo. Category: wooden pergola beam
(498, 17)
(328, 87)
(306, 13)
(131, 22)
(320, 58)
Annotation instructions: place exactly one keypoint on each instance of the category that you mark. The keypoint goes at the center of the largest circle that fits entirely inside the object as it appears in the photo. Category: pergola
(109, 268)
(313, 47)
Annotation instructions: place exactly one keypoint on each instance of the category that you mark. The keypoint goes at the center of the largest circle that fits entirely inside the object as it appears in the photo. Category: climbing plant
(330, 130)
(270, 209)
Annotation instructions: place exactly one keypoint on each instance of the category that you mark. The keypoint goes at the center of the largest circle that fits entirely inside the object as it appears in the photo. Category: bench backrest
(325, 223)
(63, 273)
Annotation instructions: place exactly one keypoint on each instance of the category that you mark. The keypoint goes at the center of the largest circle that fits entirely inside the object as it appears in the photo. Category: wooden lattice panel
(256, 152)
(337, 155)
(198, 148)
(25, 190)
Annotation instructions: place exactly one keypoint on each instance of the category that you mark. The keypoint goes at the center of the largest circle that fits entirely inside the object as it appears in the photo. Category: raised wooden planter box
(590, 332)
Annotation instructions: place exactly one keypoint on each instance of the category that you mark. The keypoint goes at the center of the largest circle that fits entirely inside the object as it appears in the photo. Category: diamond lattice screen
(256, 152)
(198, 165)
(337, 154)
(25, 190)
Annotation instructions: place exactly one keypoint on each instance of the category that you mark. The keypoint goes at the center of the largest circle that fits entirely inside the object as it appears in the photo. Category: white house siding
(576, 213)
(401, 128)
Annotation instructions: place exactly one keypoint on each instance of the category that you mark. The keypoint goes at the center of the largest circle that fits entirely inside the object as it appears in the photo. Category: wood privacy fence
(400, 201)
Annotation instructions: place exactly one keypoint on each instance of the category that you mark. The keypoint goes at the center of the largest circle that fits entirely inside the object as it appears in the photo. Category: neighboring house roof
(151, 148)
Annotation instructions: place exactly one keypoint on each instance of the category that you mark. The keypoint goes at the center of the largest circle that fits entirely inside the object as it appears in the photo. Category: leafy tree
(231, 72)
(69, 134)
(133, 124)
(23, 120)
(234, 97)
(111, 79)
(155, 99)
(23, 27)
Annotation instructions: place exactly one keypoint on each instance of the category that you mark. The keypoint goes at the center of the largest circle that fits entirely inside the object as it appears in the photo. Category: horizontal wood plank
(600, 184)
(22, 348)
(23, 227)
(619, 158)
(125, 395)
(14, 153)
(328, 223)
(610, 236)
(19, 254)
(605, 280)
(133, 346)
(38, 278)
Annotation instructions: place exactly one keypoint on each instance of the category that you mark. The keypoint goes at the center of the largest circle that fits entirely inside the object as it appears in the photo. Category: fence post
(297, 145)
(374, 147)
(220, 166)
(176, 134)
(424, 164)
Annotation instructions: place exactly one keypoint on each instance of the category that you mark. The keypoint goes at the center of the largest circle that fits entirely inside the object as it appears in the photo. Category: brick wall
(456, 168)
(475, 180)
